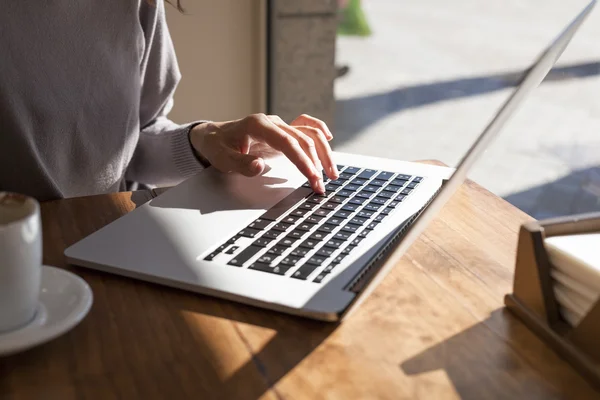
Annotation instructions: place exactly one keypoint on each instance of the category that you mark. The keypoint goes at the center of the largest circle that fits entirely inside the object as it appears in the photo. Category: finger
(311, 121)
(307, 143)
(226, 159)
(261, 128)
(323, 150)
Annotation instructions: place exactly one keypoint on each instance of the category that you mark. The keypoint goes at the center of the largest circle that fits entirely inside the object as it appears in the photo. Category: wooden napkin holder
(533, 299)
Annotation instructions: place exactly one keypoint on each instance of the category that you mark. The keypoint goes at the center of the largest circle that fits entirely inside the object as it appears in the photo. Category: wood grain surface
(434, 329)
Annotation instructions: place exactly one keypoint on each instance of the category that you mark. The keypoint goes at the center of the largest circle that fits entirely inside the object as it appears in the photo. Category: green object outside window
(353, 21)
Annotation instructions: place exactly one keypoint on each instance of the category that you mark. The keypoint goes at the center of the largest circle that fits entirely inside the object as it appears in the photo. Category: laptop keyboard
(306, 235)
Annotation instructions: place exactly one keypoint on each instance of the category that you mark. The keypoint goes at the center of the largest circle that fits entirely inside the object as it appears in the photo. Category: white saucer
(64, 300)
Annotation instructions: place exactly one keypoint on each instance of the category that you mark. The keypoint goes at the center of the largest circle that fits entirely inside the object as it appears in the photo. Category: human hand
(241, 145)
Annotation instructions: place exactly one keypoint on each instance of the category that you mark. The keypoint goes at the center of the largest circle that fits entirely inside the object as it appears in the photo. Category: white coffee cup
(20, 259)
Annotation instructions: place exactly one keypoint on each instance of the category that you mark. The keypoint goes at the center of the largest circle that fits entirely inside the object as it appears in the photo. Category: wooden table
(434, 329)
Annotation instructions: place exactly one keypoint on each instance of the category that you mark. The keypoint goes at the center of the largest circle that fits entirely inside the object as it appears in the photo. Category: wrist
(196, 136)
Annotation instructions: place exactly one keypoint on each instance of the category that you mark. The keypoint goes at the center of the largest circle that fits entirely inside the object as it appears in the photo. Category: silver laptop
(271, 242)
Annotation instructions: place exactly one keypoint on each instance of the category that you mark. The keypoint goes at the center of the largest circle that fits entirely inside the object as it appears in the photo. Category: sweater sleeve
(164, 155)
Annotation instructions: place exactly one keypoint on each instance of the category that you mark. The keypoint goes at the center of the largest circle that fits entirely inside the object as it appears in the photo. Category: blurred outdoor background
(432, 73)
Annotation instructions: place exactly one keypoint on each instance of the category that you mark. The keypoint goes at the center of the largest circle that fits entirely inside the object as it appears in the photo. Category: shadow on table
(481, 366)
(575, 193)
(354, 115)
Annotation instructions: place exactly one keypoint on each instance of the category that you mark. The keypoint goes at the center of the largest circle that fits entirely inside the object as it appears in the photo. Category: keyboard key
(412, 185)
(400, 197)
(233, 239)
(358, 181)
(406, 191)
(290, 260)
(342, 214)
(352, 188)
(330, 205)
(318, 236)
(335, 221)
(304, 226)
(281, 227)
(393, 203)
(372, 207)
(276, 269)
(306, 185)
(287, 241)
(367, 173)
(364, 195)
(371, 226)
(320, 278)
(272, 234)
(387, 210)
(304, 271)
(386, 195)
(371, 188)
(342, 235)
(339, 258)
(379, 200)
(418, 179)
(392, 188)
(313, 219)
(357, 201)
(379, 218)
(317, 199)
(286, 203)
(364, 233)
(300, 251)
(290, 219)
(298, 212)
(377, 182)
(337, 199)
(337, 182)
(404, 177)
(345, 176)
(350, 207)
(316, 260)
(260, 224)
(329, 268)
(334, 243)
(309, 243)
(212, 255)
(329, 188)
(325, 252)
(349, 249)
(277, 250)
(398, 182)
(267, 258)
(357, 221)
(356, 241)
(322, 212)
(307, 206)
(344, 193)
(249, 232)
(244, 256)
(386, 176)
(350, 228)
(262, 242)
(351, 170)
(296, 234)
(326, 228)
(364, 214)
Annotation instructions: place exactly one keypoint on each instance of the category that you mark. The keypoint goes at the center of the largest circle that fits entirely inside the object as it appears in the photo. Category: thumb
(245, 164)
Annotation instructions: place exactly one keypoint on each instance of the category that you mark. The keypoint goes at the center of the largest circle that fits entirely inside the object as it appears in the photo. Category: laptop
(270, 242)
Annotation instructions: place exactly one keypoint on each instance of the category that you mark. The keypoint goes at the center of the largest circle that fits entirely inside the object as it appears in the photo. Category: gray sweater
(85, 89)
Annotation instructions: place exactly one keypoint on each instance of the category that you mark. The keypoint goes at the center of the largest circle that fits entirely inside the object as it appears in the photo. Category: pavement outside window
(432, 74)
